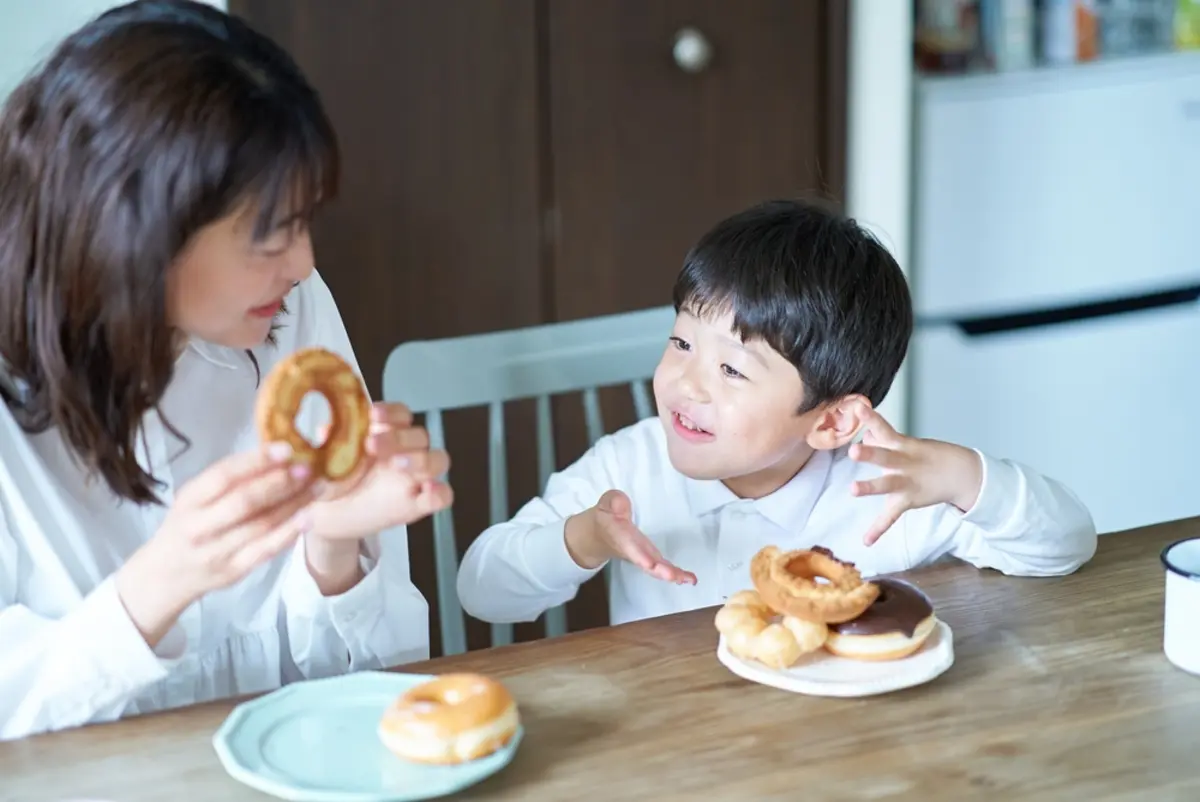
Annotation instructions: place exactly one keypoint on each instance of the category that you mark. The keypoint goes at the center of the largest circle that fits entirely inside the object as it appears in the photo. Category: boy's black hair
(812, 284)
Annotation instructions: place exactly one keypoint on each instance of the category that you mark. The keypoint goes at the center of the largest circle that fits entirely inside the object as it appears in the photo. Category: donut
(896, 624)
(455, 718)
(320, 371)
(787, 582)
(752, 634)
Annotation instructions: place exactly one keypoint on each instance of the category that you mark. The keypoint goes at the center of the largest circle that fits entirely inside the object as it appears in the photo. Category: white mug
(1181, 619)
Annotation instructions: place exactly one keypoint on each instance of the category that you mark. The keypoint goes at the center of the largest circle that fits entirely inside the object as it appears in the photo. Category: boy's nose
(692, 387)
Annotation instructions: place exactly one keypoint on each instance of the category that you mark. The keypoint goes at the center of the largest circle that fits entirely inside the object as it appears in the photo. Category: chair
(434, 376)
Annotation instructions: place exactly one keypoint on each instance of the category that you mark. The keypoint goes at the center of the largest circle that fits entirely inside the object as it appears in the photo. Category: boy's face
(730, 408)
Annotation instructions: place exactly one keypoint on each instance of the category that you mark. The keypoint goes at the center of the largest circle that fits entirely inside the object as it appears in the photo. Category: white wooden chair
(434, 376)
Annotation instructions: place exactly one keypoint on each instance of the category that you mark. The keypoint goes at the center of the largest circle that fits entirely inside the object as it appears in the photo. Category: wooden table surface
(1059, 691)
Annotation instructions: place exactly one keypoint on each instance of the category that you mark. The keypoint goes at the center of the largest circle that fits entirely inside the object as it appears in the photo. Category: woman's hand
(398, 483)
(232, 518)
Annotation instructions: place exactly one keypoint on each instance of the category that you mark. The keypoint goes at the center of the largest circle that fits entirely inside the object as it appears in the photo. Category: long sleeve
(82, 667)
(517, 570)
(1022, 524)
(381, 622)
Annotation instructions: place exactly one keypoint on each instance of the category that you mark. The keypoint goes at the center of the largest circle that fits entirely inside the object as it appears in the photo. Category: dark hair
(149, 123)
(813, 285)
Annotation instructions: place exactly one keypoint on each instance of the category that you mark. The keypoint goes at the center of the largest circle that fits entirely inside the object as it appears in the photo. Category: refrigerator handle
(985, 325)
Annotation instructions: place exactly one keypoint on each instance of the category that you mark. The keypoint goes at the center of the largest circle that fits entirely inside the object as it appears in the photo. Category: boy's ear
(838, 422)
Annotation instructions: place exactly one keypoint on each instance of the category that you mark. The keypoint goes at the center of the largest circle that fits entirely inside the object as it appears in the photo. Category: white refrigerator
(1056, 277)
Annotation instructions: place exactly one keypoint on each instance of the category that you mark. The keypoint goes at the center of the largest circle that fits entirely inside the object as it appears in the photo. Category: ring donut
(787, 582)
(752, 634)
(321, 371)
(452, 719)
(896, 624)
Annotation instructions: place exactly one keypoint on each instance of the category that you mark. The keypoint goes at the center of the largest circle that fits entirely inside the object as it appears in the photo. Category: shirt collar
(217, 355)
(788, 507)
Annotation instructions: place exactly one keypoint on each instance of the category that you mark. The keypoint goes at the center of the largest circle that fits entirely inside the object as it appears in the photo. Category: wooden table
(1059, 691)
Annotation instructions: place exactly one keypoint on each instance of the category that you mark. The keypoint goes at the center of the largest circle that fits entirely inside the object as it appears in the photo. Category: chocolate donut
(895, 625)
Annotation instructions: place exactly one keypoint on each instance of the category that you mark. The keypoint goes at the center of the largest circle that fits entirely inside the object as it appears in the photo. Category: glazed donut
(752, 634)
(896, 624)
(786, 580)
(316, 370)
(454, 718)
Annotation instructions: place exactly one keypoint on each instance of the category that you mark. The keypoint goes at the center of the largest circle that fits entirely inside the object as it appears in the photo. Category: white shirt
(69, 653)
(1021, 524)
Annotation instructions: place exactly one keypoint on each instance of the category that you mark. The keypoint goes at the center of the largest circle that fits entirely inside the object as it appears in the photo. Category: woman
(157, 176)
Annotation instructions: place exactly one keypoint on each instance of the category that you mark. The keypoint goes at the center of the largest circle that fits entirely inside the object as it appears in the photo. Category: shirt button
(734, 566)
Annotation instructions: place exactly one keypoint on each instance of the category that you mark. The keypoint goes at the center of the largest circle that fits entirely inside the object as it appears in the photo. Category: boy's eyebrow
(737, 342)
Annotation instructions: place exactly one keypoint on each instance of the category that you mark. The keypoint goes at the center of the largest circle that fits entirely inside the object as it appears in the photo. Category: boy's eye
(681, 344)
(731, 373)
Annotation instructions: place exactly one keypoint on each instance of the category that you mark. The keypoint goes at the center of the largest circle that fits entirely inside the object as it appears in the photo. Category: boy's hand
(606, 532)
(917, 473)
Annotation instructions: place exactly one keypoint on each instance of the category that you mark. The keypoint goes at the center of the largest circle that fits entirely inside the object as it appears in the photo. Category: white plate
(824, 674)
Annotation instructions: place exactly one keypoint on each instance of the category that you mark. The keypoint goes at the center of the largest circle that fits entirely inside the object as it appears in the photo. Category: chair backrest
(434, 376)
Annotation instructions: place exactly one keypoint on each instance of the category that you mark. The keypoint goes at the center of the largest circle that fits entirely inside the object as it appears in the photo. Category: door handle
(692, 50)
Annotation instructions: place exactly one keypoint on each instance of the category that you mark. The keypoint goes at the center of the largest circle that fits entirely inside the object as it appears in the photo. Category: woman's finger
(270, 543)
(216, 482)
(433, 497)
(422, 465)
(396, 415)
(260, 496)
(396, 442)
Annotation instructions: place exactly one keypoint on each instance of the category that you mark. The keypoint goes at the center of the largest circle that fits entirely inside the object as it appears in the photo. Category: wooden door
(437, 229)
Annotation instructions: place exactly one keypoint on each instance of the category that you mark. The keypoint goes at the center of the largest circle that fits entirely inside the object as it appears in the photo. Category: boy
(791, 325)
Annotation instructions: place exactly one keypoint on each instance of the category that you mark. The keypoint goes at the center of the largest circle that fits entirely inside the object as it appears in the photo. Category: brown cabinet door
(437, 229)
(647, 154)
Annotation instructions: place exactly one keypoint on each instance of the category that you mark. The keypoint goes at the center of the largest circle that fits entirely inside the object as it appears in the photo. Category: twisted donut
(750, 632)
(786, 581)
(279, 398)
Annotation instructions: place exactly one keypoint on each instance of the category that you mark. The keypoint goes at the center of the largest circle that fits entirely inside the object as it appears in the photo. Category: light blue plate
(316, 741)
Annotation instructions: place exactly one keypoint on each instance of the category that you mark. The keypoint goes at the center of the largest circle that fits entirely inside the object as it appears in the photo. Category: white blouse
(69, 653)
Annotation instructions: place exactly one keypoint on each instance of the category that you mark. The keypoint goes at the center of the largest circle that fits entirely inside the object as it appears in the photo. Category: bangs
(759, 309)
(288, 170)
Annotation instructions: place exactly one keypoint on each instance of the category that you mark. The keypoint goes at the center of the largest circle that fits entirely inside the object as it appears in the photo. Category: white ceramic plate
(824, 674)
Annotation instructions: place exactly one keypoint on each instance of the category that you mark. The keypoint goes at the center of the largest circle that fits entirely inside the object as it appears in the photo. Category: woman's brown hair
(151, 122)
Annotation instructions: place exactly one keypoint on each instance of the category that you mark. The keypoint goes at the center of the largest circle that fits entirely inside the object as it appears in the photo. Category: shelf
(1102, 72)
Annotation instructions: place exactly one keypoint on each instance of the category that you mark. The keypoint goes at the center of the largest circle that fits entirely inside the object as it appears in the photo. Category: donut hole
(315, 407)
(431, 703)
(802, 567)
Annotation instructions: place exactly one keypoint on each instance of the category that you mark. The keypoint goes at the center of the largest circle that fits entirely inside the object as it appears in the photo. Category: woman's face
(226, 288)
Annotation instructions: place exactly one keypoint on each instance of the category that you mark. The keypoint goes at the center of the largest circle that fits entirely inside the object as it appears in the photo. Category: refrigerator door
(1038, 188)
(1104, 399)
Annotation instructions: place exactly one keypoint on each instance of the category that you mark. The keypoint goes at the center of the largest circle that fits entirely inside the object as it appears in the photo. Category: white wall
(879, 131)
(29, 30)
